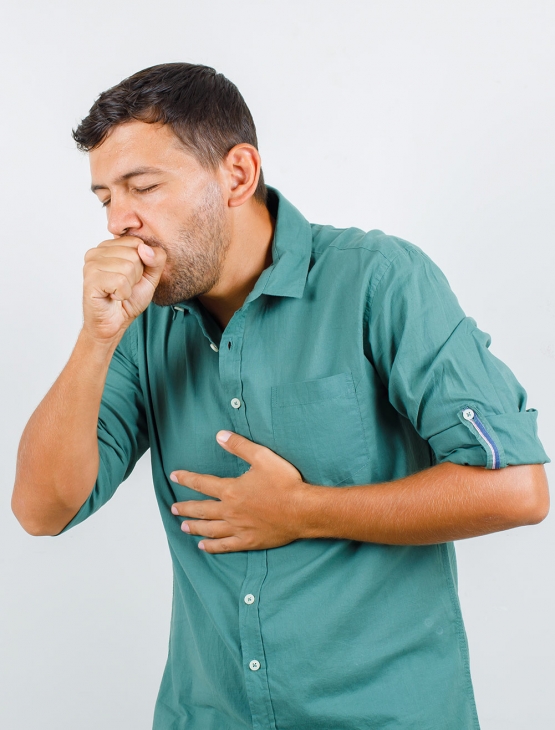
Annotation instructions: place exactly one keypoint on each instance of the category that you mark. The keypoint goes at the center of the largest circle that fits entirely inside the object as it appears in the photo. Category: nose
(122, 218)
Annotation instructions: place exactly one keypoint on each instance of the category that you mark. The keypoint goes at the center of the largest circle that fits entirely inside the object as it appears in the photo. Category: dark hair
(204, 110)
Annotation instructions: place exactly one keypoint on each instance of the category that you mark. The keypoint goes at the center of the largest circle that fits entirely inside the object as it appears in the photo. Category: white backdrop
(430, 120)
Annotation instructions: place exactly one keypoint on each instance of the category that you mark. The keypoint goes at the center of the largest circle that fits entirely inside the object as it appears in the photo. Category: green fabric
(353, 360)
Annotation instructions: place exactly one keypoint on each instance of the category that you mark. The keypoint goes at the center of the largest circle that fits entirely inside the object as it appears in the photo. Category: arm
(57, 461)
(58, 458)
(446, 502)
(436, 368)
(270, 505)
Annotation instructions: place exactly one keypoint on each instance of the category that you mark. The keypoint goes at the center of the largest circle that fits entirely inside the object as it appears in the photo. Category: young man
(323, 421)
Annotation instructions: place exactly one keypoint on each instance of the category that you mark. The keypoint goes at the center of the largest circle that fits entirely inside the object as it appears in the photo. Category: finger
(200, 509)
(225, 545)
(109, 283)
(154, 260)
(113, 250)
(208, 528)
(242, 447)
(124, 241)
(205, 483)
(124, 258)
(114, 259)
(132, 268)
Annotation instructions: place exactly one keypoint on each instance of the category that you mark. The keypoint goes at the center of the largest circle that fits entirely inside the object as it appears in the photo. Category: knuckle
(107, 242)
(211, 531)
(228, 493)
(127, 267)
(131, 268)
(230, 514)
(122, 282)
(258, 458)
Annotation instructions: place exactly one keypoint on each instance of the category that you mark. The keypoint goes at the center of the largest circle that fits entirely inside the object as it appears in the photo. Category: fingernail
(201, 546)
(174, 510)
(223, 435)
(185, 527)
(173, 477)
(148, 251)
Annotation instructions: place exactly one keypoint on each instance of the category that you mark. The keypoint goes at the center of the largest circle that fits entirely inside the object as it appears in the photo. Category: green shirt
(352, 359)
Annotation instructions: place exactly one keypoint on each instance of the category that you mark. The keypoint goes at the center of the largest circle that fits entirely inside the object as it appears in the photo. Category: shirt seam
(461, 633)
(404, 252)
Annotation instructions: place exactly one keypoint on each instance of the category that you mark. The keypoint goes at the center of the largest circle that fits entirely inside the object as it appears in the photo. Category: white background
(433, 121)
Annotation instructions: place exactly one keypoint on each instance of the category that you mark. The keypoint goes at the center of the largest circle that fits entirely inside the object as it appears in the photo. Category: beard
(195, 259)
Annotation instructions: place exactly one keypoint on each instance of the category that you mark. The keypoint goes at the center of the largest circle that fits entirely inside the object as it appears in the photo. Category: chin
(165, 296)
(165, 300)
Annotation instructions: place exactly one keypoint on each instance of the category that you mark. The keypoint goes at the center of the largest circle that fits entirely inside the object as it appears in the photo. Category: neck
(249, 253)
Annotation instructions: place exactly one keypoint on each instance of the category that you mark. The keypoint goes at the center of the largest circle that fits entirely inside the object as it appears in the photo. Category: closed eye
(145, 190)
(135, 190)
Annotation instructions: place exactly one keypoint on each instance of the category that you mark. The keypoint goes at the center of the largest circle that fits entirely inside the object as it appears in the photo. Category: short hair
(202, 107)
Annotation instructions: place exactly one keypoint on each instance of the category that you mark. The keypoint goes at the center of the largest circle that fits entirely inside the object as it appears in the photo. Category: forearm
(446, 502)
(57, 463)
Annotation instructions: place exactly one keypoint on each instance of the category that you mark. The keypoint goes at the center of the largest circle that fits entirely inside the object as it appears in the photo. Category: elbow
(534, 499)
(35, 530)
(540, 509)
(31, 525)
(31, 528)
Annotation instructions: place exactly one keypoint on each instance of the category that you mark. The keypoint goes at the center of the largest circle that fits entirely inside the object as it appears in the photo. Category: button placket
(250, 629)
(252, 645)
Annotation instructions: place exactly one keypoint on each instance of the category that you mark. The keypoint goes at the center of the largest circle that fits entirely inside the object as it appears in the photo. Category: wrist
(313, 512)
(98, 348)
(91, 357)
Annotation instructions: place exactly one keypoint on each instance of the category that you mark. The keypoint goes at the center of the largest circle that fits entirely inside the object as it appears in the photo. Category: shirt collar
(291, 251)
(291, 248)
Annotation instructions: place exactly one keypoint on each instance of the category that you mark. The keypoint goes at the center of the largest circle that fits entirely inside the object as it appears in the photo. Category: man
(323, 421)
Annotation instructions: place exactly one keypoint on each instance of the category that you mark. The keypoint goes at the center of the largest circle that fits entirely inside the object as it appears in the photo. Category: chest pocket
(318, 427)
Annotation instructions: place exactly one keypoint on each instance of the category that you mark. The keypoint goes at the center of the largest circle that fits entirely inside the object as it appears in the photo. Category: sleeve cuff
(493, 442)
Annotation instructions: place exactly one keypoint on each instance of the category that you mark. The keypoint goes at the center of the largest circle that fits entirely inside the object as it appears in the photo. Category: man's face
(155, 190)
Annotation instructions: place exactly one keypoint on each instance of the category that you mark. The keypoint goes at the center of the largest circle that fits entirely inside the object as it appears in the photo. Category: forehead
(138, 144)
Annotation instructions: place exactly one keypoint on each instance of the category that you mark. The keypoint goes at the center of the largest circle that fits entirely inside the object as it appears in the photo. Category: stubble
(194, 260)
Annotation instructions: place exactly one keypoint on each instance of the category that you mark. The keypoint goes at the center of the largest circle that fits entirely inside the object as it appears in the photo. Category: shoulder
(373, 244)
(381, 258)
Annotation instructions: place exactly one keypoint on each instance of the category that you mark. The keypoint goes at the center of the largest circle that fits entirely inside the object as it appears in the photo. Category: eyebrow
(133, 173)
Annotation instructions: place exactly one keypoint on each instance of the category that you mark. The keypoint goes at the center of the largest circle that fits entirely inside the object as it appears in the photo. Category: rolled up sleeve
(440, 374)
(122, 428)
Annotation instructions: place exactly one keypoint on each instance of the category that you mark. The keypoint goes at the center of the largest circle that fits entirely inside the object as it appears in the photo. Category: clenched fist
(120, 276)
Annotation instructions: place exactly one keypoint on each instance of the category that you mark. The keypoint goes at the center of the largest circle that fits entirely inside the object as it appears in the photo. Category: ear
(241, 172)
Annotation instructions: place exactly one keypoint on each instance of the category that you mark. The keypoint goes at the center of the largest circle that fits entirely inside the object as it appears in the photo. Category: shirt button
(468, 414)
(249, 598)
(214, 347)
(254, 665)
(236, 403)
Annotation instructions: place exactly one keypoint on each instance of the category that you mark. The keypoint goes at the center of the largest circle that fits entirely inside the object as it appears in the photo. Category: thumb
(154, 260)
